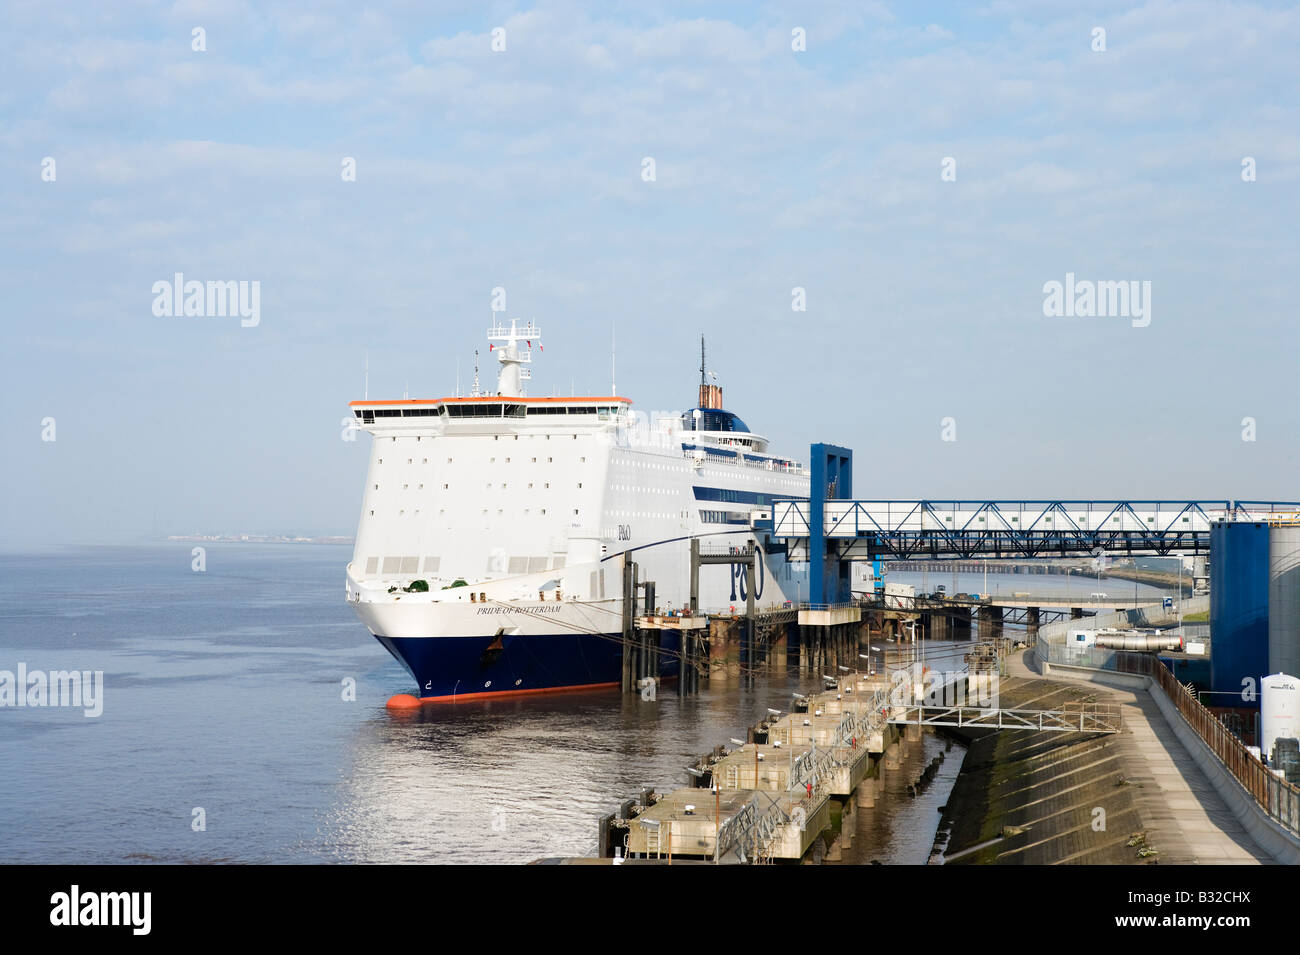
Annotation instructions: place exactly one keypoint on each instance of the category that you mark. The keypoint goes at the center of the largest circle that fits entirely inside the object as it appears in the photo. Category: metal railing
(719, 456)
(1072, 718)
(1277, 797)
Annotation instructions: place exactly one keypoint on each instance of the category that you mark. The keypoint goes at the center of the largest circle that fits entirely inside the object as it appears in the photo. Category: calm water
(224, 691)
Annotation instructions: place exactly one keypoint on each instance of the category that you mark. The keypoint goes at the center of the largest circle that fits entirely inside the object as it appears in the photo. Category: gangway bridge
(917, 530)
(1074, 718)
(831, 528)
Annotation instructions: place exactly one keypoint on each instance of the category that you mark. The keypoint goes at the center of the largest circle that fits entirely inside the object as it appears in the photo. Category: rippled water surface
(224, 692)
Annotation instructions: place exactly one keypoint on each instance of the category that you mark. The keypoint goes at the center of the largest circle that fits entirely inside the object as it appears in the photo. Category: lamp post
(1178, 606)
(699, 774)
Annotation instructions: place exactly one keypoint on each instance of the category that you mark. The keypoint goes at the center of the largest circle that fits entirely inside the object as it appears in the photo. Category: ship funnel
(710, 396)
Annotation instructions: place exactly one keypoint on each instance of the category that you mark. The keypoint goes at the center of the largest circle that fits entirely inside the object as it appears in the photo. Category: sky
(920, 171)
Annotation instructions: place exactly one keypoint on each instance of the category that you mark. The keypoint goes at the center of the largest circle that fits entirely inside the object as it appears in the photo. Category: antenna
(367, 395)
(457, 377)
(475, 373)
(613, 351)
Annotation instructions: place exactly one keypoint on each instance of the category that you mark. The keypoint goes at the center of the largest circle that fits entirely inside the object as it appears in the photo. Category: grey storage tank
(1284, 598)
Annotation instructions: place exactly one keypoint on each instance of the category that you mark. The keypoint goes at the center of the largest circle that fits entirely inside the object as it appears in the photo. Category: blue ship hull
(457, 668)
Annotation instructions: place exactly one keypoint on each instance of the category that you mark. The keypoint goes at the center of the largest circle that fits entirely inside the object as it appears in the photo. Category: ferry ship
(494, 527)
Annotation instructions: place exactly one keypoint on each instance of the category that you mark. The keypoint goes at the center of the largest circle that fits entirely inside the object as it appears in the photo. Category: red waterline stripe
(497, 694)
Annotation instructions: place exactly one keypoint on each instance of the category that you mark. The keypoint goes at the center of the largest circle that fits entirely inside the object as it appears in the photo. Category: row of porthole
(445, 487)
(495, 437)
(443, 511)
(549, 460)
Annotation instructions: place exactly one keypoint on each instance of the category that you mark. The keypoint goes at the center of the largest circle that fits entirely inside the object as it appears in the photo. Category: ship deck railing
(792, 467)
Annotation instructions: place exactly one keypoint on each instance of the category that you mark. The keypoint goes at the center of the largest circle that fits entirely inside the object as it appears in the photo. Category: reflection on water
(225, 691)
(518, 780)
(900, 828)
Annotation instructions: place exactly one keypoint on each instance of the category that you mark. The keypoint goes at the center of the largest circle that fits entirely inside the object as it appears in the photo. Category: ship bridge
(486, 409)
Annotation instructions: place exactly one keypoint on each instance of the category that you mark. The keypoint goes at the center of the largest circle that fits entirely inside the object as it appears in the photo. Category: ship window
(423, 460)
(357, 412)
(579, 485)
(392, 565)
(431, 564)
(575, 512)
(368, 417)
(444, 487)
(372, 564)
(406, 487)
(543, 510)
(376, 487)
(534, 461)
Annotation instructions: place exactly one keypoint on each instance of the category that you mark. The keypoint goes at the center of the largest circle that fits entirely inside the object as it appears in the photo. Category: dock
(771, 797)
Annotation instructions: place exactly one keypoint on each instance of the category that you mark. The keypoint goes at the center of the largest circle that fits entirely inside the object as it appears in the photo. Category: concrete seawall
(1137, 797)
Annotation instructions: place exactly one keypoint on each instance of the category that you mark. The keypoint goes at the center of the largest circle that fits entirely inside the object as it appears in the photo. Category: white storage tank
(1284, 598)
(1279, 711)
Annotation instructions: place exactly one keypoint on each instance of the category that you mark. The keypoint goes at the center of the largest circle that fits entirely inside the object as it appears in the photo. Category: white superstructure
(532, 503)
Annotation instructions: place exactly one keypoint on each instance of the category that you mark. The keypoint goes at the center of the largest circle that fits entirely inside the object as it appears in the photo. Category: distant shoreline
(255, 539)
